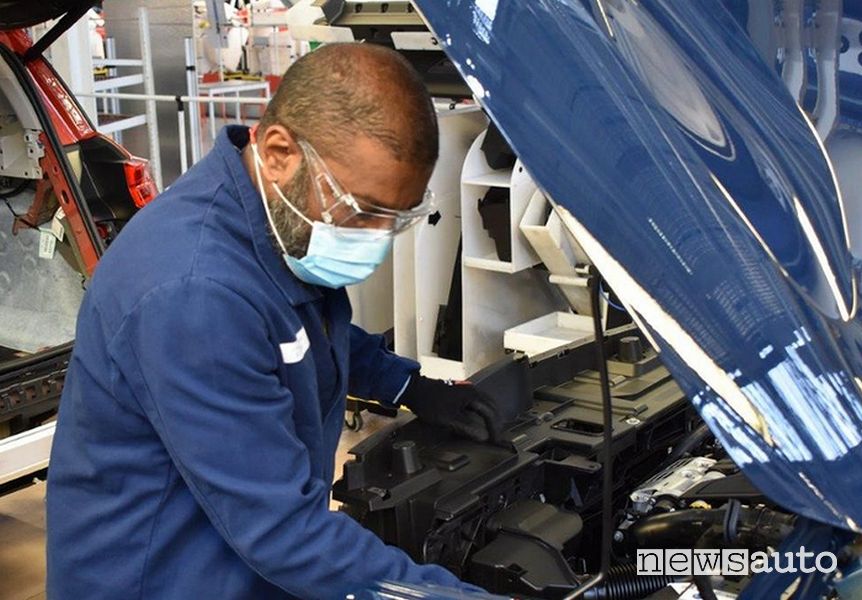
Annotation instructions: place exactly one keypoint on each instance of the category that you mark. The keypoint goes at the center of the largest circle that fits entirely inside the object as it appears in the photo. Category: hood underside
(694, 183)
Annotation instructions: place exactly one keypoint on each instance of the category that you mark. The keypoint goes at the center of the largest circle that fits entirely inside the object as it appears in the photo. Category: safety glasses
(343, 210)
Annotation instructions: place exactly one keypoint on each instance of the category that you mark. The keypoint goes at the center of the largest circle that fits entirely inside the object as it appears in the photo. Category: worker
(205, 397)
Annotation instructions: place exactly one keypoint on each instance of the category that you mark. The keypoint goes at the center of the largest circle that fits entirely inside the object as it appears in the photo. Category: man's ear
(280, 153)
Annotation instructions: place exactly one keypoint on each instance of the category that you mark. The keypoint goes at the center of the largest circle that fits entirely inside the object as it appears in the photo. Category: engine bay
(524, 516)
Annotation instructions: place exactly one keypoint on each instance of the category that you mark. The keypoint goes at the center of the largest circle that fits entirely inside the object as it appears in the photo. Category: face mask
(339, 256)
(336, 256)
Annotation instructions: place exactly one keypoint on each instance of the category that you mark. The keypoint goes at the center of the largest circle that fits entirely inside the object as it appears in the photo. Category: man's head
(367, 114)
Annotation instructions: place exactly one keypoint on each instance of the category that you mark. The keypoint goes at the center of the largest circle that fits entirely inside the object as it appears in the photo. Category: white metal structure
(25, 453)
(180, 101)
(230, 88)
(497, 295)
(110, 105)
(71, 55)
(271, 48)
(194, 108)
(145, 78)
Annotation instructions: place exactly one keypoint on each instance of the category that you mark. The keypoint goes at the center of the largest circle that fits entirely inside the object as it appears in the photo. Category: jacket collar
(229, 145)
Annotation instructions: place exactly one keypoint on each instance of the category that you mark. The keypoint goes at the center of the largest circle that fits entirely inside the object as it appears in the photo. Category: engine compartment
(524, 516)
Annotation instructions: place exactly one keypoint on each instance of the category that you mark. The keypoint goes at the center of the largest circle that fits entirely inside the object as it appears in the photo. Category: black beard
(293, 230)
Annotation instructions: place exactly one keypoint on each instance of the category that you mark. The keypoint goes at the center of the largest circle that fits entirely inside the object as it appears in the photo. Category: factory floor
(22, 544)
(22, 526)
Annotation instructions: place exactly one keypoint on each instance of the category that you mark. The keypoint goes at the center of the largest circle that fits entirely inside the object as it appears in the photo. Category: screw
(618, 536)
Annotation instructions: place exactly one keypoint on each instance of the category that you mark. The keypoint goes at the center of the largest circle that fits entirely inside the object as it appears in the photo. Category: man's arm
(197, 357)
(375, 372)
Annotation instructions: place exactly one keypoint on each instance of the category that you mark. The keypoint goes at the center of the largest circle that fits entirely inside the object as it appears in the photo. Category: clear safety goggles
(344, 210)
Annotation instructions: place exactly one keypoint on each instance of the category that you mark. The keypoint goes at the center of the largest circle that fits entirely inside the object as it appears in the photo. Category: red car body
(68, 165)
(72, 126)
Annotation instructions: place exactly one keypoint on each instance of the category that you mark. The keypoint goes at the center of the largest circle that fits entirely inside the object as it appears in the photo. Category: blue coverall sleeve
(199, 362)
(375, 372)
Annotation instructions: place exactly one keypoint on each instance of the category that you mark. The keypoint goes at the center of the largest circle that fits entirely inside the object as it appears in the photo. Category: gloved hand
(459, 407)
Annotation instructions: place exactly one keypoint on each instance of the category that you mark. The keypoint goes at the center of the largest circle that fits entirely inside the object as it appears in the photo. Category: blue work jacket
(196, 438)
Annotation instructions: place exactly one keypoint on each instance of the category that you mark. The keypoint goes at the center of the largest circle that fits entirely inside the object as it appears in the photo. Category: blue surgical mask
(336, 256)
(339, 256)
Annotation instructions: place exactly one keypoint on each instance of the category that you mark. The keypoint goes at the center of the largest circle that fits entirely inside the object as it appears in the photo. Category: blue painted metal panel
(702, 194)
(850, 81)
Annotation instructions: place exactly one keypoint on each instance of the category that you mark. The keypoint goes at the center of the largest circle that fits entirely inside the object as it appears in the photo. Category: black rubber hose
(731, 521)
(623, 583)
(692, 441)
(682, 528)
(703, 583)
(704, 587)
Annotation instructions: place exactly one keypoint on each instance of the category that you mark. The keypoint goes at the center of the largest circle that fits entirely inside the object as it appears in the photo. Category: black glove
(459, 407)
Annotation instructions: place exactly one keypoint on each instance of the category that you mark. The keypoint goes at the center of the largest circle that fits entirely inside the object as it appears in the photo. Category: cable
(687, 445)
(606, 295)
(5, 196)
(18, 217)
(607, 463)
(704, 587)
(607, 442)
(703, 583)
(11, 210)
(479, 522)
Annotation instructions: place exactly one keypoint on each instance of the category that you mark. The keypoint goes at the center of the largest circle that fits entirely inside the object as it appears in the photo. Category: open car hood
(24, 13)
(700, 191)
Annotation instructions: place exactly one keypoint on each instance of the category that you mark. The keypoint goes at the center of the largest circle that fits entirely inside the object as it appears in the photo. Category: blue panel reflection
(702, 194)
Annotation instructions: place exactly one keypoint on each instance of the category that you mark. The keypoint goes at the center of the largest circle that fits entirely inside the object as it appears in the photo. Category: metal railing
(143, 77)
(108, 94)
(194, 115)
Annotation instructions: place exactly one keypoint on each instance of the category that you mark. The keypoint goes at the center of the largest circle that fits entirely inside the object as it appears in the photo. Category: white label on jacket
(292, 352)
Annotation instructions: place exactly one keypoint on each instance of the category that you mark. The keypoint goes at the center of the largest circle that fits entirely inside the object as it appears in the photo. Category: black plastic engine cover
(513, 517)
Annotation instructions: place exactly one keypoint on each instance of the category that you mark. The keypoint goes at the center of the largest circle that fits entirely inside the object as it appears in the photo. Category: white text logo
(731, 561)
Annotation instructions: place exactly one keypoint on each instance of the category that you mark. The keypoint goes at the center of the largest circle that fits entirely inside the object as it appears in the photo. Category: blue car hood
(703, 195)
